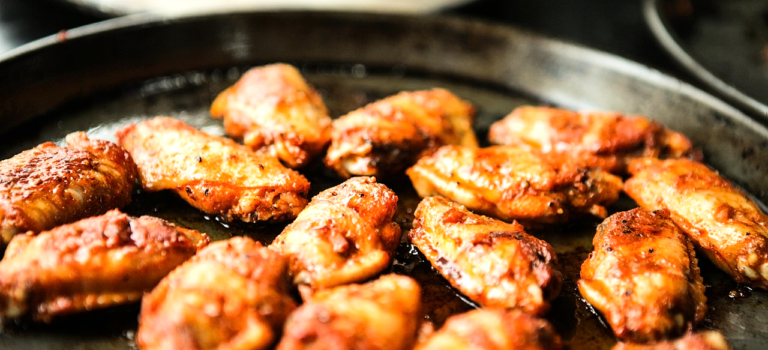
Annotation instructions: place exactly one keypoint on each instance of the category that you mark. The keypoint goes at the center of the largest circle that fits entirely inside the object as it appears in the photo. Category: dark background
(615, 26)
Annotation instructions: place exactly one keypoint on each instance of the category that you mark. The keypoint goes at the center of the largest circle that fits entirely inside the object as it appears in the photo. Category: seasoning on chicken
(718, 217)
(387, 136)
(512, 183)
(494, 263)
(709, 340)
(643, 276)
(598, 139)
(493, 329)
(231, 295)
(379, 315)
(345, 234)
(213, 174)
(93, 263)
(49, 186)
(273, 109)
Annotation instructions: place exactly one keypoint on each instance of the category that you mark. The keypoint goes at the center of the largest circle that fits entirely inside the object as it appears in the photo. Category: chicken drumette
(49, 186)
(273, 109)
(213, 174)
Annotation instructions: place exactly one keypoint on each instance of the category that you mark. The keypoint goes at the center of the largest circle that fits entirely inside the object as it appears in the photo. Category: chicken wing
(346, 234)
(49, 186)
(213, 174)
(718, 217)
(643, 276)
(232, 295)
(493, 329)
(605, 140)
(513, 183)
(389, 135)
(273, 109)
(93, 263)
(710, 340)
(382, 314)
(494, 263)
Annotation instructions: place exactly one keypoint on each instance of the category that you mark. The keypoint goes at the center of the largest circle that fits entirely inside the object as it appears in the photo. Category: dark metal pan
(100, 77)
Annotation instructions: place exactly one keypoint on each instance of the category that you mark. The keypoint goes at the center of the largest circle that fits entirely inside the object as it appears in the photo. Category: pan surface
(101, 77)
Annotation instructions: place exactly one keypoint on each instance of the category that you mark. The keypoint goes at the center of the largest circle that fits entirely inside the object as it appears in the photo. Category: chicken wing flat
(599, 139)
(93, 263)
(494, 263)
(49, 186)
(512, 183)
(389, 135)
(273, 109)
(213, 174)
(493, 329)
(379, 315)
(710, 340)
(643, 276)
(718, 217)
(232, 295)
(346, 234)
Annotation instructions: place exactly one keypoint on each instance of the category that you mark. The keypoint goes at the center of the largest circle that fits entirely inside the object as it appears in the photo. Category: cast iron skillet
(103, 76)
(734, 75)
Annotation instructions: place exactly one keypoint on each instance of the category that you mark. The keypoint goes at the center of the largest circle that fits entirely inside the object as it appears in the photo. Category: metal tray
(103, 76)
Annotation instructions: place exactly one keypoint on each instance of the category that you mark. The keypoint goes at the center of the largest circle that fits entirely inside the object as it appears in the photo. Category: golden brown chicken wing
(710, 340)
(49, 186)
(513, 183)
(379, 315)
(387, 136)
(605, 140)
(273, 109)
(93, 263)
(719, 218)
(346, 234)
(213, 174)
(232, 295)
(643, 276)
(493, 329)
(494, 263)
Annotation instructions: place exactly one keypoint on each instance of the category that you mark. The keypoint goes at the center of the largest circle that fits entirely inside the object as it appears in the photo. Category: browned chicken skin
(213, 174)
(719, 218)
(513, 183)
(710, 340)
(643, 276)
(494, 263)
(273, 109)
(493, 329)
(93, 263)
(379, 315)
(599, 139)
(389, 135)
(232, 295)
(346, 234)
(49, 186)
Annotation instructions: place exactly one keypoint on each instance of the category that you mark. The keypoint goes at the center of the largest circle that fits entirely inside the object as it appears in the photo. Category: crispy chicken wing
(493, 329)
(49, 186)
(379, 315)
(718, 217)
(273, 109)
(710, 340)
(346, 234)
(494, 263)
(387, 136)
(599, 139)
(232, 295)
(213, 174)
(643, 276)
(93, 263)
(513, 183)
